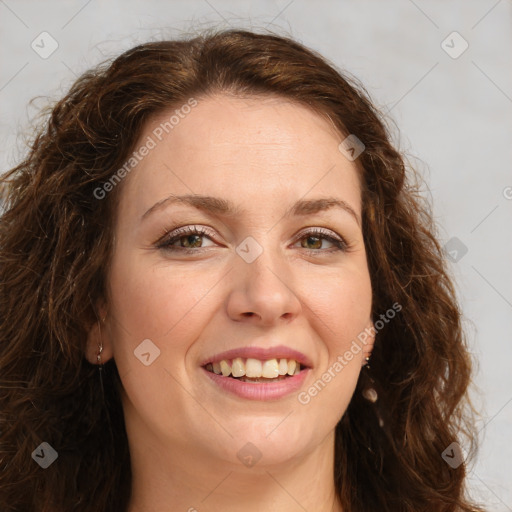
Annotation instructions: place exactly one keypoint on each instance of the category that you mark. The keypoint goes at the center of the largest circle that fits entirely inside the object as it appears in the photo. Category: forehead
(257, 150)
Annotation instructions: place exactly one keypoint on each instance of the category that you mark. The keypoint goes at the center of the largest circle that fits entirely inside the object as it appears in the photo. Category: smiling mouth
(254, 370)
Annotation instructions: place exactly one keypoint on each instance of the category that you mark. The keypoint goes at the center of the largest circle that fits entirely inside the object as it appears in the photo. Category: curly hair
(56, 245)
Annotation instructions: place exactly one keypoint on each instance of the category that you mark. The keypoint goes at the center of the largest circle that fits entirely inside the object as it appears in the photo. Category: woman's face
(259, 282)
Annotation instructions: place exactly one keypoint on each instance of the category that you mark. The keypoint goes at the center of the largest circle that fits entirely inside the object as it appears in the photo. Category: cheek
(157, 303)
(342, 302)
(342, 311)
(171, 308)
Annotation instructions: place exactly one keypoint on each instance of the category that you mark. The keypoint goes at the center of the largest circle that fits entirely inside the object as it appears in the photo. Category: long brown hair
(56, 244)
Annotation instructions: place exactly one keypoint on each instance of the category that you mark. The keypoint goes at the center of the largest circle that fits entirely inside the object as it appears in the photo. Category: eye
(315, 239)
(189, 239)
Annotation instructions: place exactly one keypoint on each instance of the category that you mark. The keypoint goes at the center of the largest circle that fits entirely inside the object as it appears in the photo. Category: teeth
(238, 367)
(292, 364)
(270, 369)
(254, 368)
(225, 368)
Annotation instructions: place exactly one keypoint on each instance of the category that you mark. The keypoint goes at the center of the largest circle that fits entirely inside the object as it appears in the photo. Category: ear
(369, 342)
(99, 335)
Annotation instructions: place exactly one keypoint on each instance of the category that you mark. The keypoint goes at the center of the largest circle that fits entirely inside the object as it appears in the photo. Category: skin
(184, 432)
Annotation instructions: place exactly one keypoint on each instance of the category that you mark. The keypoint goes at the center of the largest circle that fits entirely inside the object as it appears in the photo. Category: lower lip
(259, 390)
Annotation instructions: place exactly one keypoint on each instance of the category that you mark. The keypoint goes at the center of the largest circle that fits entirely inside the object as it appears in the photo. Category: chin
(271, 440)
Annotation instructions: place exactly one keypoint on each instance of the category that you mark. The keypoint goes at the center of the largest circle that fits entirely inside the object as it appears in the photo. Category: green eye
(190, 239)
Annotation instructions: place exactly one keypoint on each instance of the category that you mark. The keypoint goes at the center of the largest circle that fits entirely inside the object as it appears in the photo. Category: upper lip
(263, 354)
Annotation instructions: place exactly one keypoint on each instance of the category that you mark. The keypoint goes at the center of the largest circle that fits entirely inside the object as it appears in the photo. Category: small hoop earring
(98, 358)
(370, 393)
(100, 344)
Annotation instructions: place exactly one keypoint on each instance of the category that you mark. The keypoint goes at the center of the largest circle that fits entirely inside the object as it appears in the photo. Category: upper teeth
(255, 368)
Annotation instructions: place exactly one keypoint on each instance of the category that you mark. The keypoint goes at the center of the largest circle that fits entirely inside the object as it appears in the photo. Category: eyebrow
(223, 207)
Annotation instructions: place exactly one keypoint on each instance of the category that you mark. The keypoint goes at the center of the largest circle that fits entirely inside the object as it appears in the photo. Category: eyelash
(174, 236)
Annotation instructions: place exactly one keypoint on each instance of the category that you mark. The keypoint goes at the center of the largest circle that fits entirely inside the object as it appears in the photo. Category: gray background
(454, 117)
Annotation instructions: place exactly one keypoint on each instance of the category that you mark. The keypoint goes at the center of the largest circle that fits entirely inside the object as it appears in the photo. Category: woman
(177, 335)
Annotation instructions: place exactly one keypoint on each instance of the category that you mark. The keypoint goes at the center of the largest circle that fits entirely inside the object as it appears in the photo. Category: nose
(262, 292)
